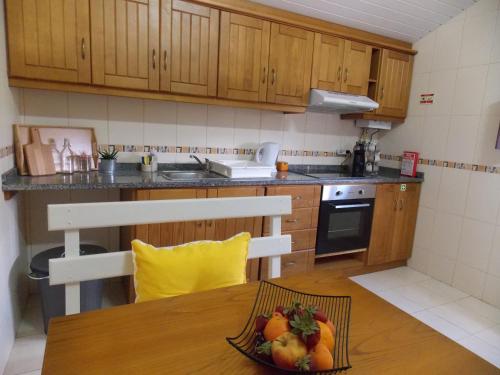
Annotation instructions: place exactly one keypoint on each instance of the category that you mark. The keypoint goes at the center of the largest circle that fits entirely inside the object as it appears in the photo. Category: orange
(276, 326)
(326, 336)
(331, 326)
(321, 358)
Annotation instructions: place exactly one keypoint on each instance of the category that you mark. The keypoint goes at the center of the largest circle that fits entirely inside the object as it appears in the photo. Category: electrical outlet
(402, 187)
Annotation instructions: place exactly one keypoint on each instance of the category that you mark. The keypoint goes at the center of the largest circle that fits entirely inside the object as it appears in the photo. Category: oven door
(344, 225)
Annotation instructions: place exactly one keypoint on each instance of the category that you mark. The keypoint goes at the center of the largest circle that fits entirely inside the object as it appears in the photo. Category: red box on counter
(409, 164)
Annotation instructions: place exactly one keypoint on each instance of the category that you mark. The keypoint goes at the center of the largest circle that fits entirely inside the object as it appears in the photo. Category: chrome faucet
(205, 166)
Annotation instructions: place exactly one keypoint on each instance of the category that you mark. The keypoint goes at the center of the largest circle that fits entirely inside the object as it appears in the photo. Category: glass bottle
(56, 155)
(66, 157)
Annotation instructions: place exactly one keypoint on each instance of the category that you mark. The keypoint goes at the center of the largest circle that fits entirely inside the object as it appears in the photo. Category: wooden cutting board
(39, 156)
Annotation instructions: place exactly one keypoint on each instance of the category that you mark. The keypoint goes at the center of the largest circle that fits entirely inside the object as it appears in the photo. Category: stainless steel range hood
(331, 101)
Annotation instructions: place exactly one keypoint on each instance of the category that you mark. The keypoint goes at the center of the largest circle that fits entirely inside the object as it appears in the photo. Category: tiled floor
(470, 322)
(464, 319)
(26, 357)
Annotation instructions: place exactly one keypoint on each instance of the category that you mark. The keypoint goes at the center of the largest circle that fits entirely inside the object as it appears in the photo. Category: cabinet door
(290, 61)
(327, 63)
(404, 226)
(357, 60)
(190, 40)
(394, 86)
(243, 57)
(49, 39)
(125, 43)
(384, 216)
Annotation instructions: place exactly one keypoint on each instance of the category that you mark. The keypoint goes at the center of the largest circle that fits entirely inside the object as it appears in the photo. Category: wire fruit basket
(269, 295)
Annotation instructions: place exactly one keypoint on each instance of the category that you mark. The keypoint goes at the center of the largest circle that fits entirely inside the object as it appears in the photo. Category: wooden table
(186, 335)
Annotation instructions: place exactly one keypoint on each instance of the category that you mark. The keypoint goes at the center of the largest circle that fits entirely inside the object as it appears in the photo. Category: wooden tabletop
(186, 335)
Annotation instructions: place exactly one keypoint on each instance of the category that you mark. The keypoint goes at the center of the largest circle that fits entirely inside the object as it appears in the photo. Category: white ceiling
(407, 20)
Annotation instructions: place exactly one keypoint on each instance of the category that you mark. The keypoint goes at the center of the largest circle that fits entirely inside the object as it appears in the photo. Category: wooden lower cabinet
(394, 221)
(171, 234)
(292, 264)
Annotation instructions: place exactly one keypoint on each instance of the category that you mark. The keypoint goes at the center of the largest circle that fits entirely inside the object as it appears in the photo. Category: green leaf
(264, 348)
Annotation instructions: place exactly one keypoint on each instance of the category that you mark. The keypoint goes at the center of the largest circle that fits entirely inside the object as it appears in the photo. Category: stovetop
(332, 175)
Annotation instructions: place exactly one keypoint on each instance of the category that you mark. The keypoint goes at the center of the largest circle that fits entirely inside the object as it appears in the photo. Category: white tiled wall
(458, 231)
(146, 122)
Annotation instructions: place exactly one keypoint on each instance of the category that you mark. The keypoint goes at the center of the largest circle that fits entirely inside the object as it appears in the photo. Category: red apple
(287, 349)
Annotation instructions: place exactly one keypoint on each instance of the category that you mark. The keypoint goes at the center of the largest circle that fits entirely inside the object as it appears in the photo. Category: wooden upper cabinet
(327, 63)
(49, 39)
(356, 68)
(290, 63)
(125, 43)
(190, 41)
(394, 83)
(243, 57)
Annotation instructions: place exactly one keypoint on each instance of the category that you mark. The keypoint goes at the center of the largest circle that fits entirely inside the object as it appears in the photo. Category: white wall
(458, 230)
(12, 254)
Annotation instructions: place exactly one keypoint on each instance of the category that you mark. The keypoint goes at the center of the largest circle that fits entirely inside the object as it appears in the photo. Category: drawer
(292, 264)
(301, 218)
(302, 196)
(303, 239)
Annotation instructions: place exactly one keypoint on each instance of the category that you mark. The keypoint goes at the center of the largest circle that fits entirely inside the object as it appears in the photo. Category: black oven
(345, 218)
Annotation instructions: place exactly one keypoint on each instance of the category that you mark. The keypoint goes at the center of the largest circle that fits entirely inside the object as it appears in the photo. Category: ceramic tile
(445, 290)
(447, 45)
(484, 350)
(469, 280)
(491, 336)
(476, 243)
(406, 275)
(160, 120)
(491, 292)
(315, 131)
(26, 355)
(442, 85)
(441, 325)
(45, 107)
(425, 48)
(435, 136)
(453, 190)
(125, 121)
(485, 152)
(495, 52)
(464, 318)
(478, 39)
(419, 259)
(89, 111)
(494, 261)
(446, 234)
(469, 89)
(422, 296)
(480, 308)
(32, 321)
(483, 198)
(491, 102)
(462, 136)
(191, 125)
(271, 129)
(400, 301)
(424, 227)
(220, 130)
(430, 187)
(294, 131)
(441, 267)
(246, 128)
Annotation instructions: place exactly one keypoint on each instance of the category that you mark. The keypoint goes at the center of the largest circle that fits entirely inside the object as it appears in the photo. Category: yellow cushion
(193, 267)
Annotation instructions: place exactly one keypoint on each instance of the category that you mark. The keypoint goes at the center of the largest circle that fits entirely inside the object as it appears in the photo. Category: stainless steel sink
(189, 175)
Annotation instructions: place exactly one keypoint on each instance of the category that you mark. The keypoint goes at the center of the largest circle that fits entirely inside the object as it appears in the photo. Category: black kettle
(358, 162)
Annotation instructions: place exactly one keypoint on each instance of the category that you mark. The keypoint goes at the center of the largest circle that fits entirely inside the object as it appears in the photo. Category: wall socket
(402, 187)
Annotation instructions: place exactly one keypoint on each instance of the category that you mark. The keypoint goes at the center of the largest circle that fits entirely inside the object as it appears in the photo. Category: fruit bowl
(336, 309)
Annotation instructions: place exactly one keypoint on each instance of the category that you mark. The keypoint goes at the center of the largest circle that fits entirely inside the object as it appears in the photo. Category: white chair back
(73, 268)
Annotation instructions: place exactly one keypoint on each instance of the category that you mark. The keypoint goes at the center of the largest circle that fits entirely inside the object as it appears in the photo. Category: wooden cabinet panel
(394, 83)
(302, 196)
(243, 57)
(290, 62)
(303, 239)
(292, 264)
(394, 221)
(190, 41)
(300, 218)
(49, 39)
(406, 220)
(357, 60)
(125, 43)
(327, 62)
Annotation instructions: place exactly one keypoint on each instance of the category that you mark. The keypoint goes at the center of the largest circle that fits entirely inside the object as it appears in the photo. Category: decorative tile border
(6, 151)
(448, 164)
(209, 150)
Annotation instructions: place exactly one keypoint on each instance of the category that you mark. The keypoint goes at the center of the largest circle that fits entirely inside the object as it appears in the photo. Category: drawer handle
(294, 242)
(292, 220)
(154, 59)
(83, 48)
(292, 263)
(297, 198)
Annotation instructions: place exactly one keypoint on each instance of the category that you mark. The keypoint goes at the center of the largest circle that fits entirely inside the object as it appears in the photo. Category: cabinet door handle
(154, 58)
(83, 48)
(294, 242)
(165, 60)
(381, 92)
(292, 220)
(297, 198)
(199, 224)
(346, 75)
(273, 80)
(292, 263)
(400, 205)
(264, 75)
(339, 73)
(210, 223)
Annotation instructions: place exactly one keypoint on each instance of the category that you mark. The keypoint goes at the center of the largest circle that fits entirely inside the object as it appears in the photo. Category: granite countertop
(129, 177)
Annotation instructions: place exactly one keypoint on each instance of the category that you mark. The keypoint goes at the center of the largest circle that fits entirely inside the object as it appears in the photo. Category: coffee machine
(358, 160)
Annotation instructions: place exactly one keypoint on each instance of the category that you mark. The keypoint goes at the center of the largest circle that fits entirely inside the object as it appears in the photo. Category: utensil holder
(153, 167)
